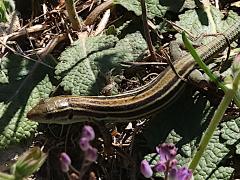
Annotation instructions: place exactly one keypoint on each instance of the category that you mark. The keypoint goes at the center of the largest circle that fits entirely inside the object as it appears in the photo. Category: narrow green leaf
(200, 62)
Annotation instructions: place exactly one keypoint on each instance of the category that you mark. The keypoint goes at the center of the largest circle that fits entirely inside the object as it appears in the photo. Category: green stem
(202, 65)
(207, 70)
(212, 126)
(72, 13)
(236, 82)
(230, 93)
(6, 176)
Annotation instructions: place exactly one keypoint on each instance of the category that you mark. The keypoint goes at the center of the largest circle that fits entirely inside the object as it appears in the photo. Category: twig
(51, 45)
(24, 56)
(22, 32)
(92, 17)
(101, 26)
(146, 31)
(144, 63)
(72, 13)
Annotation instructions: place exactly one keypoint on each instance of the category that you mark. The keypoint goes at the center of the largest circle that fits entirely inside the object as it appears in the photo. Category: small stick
(72, 14)
(51, 45)
(101, 26)
(146, 31)
(168, 59)
(24, 56)
(92, 17)
(144, 63)
(24, 31)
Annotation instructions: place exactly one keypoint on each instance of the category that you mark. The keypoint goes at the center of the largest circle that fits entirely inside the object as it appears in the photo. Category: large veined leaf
(184, 121)
(19, 91)
(155, 8)
(83, 65)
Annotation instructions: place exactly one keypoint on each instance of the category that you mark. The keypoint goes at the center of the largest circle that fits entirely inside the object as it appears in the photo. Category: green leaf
(183, 126)
(5, 7)
(3, 12)
(222, 173)
(84, 65)
(13, 70)
(180, 118)
(230, 131)
(208, 167)
(156, 8)
(212, 156)
(17, 96)
(238, 148)
(80, 49)
(197, 23)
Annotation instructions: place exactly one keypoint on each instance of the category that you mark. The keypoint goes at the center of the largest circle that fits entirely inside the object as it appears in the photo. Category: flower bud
(28, 163)
(180, 174)
(88, 132)
(65, 162)
(145, 169)
(84, 144)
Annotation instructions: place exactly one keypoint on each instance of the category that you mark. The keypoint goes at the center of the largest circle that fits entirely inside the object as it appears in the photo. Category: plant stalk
(72, 13)
(146, 31)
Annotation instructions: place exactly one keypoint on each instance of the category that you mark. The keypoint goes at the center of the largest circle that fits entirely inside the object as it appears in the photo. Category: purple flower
(167, 152)
(184, 174)
(145, 169)
(84, 144)
(160, 167)
(163, 166)
(180, 174)
(91, 154)
(166, 164)
(65, 162)
(88, 132)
